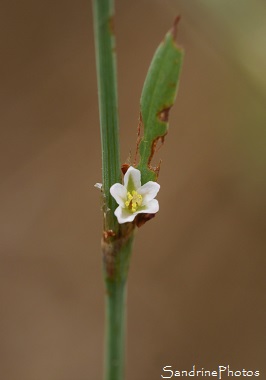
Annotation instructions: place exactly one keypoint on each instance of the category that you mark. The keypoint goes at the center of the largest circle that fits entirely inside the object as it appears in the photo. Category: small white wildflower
(134, 199)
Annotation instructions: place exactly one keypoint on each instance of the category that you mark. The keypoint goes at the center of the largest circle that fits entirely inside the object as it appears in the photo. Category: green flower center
(134, 200)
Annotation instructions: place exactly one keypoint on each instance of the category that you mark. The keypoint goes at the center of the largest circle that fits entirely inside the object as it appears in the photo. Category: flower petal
(132, 179)
(148, 191)
(124, 215)
(152, 207)
(119, 192)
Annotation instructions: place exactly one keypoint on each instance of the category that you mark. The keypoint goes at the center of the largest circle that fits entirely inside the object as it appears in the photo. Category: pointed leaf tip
(174, 27)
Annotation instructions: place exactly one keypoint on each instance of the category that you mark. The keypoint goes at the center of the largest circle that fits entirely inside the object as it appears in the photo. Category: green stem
(115, 331)
(117, 239)
(103, 12)
(116, 272)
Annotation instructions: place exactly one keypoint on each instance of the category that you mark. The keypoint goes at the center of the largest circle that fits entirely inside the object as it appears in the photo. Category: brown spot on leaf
(163, 115)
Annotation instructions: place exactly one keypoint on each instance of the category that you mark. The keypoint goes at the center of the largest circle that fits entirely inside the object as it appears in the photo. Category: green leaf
(158, 96)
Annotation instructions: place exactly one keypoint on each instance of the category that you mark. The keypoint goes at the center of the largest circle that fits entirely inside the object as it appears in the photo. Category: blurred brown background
(197, 280)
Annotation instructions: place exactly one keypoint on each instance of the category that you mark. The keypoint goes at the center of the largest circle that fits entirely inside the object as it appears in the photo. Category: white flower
(134, 199)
